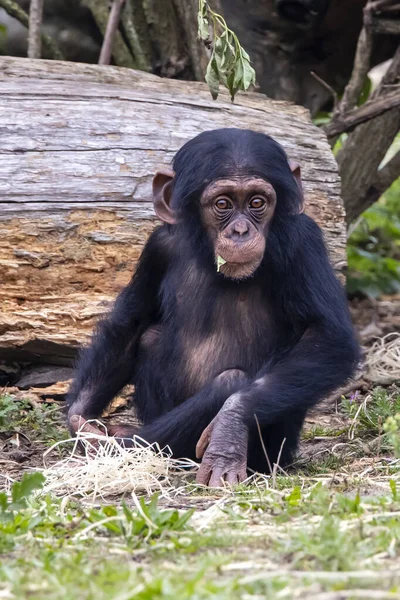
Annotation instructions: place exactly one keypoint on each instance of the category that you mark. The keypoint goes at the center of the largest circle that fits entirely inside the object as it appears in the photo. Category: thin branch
(342, 123)
(386, 26)
(120, 50)
(328, 87)
(262, 444)
(109, 36)
(391, 77)
(276, 465)
(15, 11)
(34, 30)
(392, 9)
(361, 64)
(381, 5)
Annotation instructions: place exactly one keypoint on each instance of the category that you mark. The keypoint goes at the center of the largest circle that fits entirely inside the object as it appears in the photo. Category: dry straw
(383, 360)
(105, 468)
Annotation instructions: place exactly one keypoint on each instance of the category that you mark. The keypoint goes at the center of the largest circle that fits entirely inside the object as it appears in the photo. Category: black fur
(287, 328)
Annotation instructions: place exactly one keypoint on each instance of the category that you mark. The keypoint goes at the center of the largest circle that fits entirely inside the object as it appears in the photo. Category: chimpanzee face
(236, 213)
(225, 189)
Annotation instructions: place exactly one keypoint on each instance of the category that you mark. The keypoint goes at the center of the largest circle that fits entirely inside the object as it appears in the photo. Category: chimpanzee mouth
(238, 270)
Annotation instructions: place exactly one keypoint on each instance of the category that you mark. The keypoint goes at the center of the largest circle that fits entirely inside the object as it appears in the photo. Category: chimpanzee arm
(322, 360)
(326, 355)
(108, 364)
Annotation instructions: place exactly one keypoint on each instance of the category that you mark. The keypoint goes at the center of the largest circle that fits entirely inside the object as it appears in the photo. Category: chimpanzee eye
(257, 203)
(223, 204)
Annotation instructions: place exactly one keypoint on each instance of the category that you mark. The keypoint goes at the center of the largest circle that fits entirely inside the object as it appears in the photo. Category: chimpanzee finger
(242, 475)
(203, 474)
(217, 478)
(79, 424)
(122, 431)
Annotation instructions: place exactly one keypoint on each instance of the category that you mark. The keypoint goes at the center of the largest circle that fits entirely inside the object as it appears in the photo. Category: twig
(352, 387)
(109, 36)
(390, 9)
(120, 49)
(386, 26)
(34, 30)
(361, 64)
(347, 115)
(342, 122)
(15, 11)
(354, 593)
(276, 465)
(379, 5)
(262, 443)
(328, 87)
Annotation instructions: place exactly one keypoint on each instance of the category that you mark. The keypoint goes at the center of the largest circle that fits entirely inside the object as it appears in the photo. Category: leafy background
(373, 249)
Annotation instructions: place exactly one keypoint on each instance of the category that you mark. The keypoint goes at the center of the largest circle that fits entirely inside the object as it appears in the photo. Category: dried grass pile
(106, 468)
(383, 360)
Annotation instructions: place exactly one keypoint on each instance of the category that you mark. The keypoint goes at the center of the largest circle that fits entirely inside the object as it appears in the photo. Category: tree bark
(342, 123)
(14, 10)
(187, 12)
(371, 141)
(35, 25)
(80, 144)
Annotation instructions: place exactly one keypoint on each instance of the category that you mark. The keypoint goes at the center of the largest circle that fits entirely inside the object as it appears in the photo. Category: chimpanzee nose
(241, 227)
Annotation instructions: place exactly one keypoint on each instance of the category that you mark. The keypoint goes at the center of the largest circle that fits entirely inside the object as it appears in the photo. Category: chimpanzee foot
(216, 470)
(223, 446)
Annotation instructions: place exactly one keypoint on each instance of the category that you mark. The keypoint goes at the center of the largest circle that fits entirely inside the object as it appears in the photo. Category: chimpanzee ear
(296, 172)
(162, 194)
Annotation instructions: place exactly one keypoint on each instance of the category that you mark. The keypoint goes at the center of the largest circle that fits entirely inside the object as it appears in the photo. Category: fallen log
(79, 146)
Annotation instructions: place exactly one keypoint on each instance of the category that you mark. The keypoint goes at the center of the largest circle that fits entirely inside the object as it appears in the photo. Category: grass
(37, 421)
(328, 531)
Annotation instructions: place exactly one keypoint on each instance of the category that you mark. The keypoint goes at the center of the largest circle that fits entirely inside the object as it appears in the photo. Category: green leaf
(238, 74)
(365, 92)
(3, 502)
(28, 484)
(203, 31)
(225, 51)
(249, 75)
(220, 261)
(294, 497)
(356, 503)
(218, 56)
(229, 63)
(393, 488)
(212, 77)
(183, 519)
(245, 55)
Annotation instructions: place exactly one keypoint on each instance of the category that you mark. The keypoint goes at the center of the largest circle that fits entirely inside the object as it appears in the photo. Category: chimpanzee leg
(275, 446)
(181, 427)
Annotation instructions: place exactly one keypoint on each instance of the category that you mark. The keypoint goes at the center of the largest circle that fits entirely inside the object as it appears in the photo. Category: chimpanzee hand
(224, 446)
(77, 423)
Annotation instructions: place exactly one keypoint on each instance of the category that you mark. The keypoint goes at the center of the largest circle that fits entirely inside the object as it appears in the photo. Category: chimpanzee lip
(238, 262)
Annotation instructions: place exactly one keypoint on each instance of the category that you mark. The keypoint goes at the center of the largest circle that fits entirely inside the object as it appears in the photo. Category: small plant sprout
(220, 261)
(229, 63)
